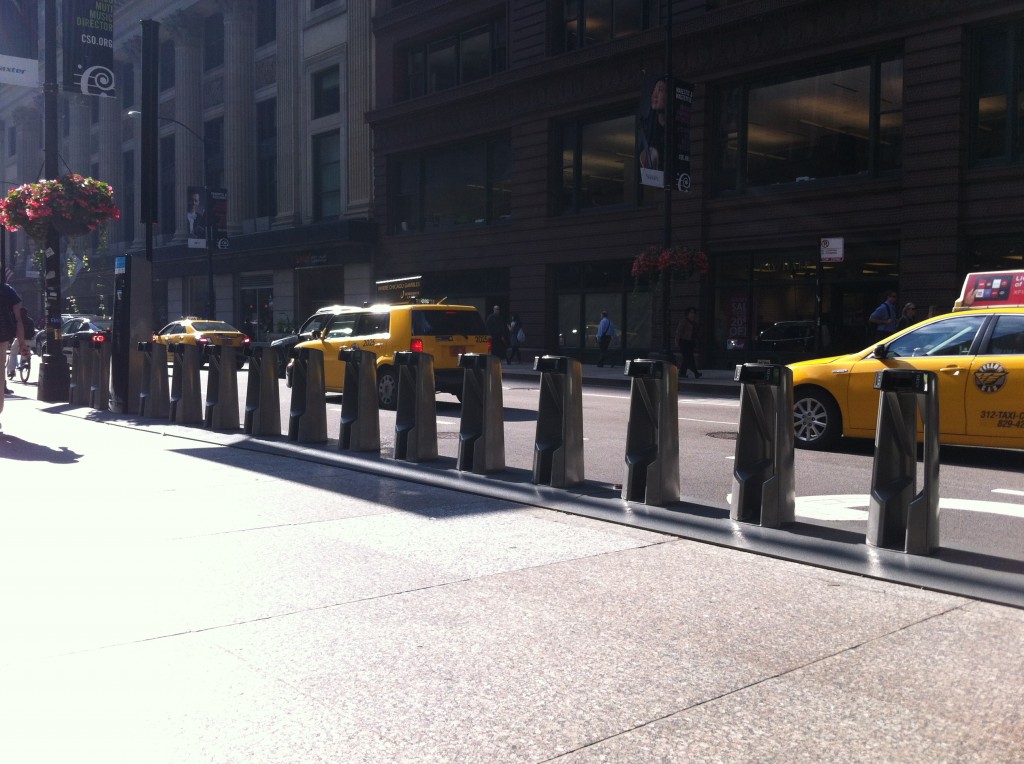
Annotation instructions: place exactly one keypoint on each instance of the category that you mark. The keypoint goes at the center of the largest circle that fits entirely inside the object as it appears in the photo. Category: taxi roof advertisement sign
(1000, 289)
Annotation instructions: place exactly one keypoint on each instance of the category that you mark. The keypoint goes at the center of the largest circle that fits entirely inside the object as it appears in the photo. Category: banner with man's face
(197, 217)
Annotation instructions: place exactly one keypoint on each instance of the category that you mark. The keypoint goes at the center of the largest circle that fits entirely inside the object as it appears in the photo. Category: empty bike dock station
(901, 543)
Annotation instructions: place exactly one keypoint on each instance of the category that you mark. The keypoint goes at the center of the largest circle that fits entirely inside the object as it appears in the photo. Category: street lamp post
(210, 300)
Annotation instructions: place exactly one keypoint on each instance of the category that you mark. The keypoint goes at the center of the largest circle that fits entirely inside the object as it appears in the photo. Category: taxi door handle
(952, 370)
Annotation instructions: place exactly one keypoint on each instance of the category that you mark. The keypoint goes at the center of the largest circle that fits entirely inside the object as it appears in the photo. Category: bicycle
(25, 362)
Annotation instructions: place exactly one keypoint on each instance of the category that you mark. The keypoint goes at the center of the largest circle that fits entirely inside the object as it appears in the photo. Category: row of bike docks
(900, 516)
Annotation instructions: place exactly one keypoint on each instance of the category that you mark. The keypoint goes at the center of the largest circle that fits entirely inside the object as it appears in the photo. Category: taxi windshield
(953, 336)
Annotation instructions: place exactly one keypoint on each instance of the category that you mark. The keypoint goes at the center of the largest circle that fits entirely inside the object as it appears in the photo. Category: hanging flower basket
(681, 261)
(75, 205)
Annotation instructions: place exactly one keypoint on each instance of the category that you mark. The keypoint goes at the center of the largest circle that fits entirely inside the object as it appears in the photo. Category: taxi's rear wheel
(817, 422)
(387, 388)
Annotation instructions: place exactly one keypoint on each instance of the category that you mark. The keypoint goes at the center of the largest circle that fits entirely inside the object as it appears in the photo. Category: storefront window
(584, 291)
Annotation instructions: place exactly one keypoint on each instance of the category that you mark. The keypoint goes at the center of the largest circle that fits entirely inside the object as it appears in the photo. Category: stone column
(290, 137)
(239, 110)
(79, 153)
(186, 30)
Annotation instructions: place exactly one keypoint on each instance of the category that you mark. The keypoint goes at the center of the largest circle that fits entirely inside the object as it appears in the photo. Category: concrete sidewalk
(172, 596)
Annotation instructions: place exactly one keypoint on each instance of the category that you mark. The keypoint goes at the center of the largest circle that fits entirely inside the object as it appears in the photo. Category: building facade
(261, 102)
(506, 160)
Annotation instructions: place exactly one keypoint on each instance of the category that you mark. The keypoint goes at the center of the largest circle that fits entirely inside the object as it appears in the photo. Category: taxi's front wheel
(817, 422)
(387, 388)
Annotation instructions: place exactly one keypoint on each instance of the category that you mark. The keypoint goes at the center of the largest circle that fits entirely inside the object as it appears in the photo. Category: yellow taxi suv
(443, 331)
(202, 332)
(976, 352)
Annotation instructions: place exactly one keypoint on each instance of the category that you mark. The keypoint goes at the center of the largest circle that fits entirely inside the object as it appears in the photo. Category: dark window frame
(1012, 75)
(326, 99)
(570, 31)
(322, 192)
(569, 200)
(738, 183)
(495, 184)
(415, 71)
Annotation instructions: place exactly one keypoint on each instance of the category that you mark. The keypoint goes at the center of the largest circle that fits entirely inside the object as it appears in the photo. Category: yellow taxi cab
(202, 332)
(443, 331)
(976, 351)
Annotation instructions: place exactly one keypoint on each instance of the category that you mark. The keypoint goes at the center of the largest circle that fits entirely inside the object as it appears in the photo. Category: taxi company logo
(990, 377)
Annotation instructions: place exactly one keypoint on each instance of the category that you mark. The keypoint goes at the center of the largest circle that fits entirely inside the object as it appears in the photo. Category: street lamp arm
(135, 114)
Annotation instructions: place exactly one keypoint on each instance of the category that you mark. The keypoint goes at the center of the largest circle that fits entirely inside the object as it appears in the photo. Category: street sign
(832, 250)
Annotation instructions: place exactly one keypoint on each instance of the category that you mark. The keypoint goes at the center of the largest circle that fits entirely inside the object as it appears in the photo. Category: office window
(451, 187)
(842, 122)
(598, 168)
(327, 176)
(457, 58)
(997, 95)
(266, 22)
(166, 65)
(213, 147)
(213, 41)
(326, 92)
(579, 23)
(266, 158)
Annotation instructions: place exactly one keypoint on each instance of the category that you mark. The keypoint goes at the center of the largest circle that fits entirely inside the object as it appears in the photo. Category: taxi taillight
(416, 345)
(99, 338)
(201, 340)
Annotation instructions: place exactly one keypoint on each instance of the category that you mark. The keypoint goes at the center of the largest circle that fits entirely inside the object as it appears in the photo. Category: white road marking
(706, 421)
(1008, 491)
(845, 507)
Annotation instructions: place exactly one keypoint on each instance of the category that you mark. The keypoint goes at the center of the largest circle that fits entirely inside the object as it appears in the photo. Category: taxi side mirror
(881, 352)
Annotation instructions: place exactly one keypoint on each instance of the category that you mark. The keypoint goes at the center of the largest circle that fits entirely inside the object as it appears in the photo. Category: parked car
(200, 331)
(83, 330)
(977, 355)
(314, 324)
(39, 338)
(790, 336)
(444, 331)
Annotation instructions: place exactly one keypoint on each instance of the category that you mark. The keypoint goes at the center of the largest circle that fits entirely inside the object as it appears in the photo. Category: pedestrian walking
(686, 341)
(18, 349)
(605, 334)
(517, 336)
(884, 317)
(11, 328)
(498, 330)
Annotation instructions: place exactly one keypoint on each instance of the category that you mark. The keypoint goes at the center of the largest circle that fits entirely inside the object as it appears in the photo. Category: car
(81, 330)
(977, 353)
(315, 323)
(39, 338)
(202, 331)
(783, 337)
(444, 331)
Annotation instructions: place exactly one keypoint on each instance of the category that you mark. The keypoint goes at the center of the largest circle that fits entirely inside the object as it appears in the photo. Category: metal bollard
(360, 412)
(558, 446)
(262, 393)
(899, 518)
(763, 491)
(153, 401)
(416, 417)
(221, 388)
(652, 433)
(481, 429)
(99, 390)
(80, 387)
(186, 403)
(307, 419)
